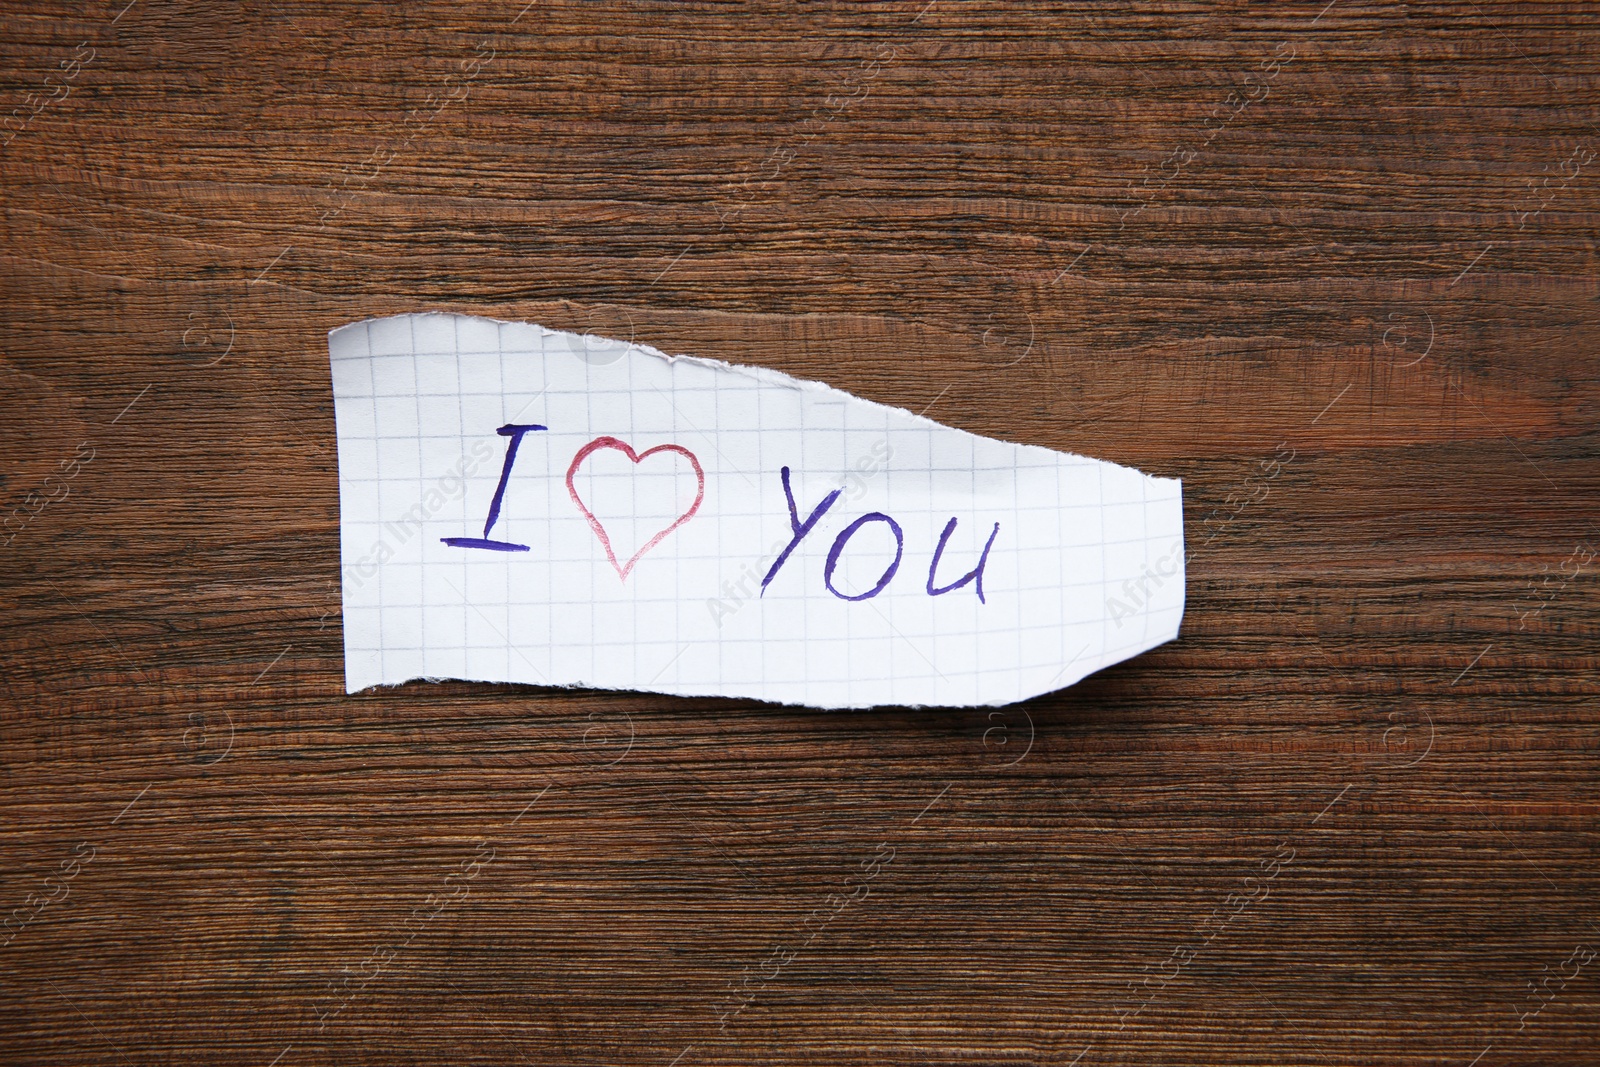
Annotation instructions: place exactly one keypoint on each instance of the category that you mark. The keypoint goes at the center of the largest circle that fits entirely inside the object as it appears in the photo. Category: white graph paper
(1084, 563)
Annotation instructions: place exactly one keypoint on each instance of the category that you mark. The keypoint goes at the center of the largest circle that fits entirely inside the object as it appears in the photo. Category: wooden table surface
(1334, 264)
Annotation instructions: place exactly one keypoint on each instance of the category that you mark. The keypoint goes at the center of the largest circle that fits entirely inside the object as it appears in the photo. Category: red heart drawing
(599, 528)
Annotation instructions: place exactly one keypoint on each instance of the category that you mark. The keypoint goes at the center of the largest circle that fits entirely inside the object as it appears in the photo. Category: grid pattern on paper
(418, 399)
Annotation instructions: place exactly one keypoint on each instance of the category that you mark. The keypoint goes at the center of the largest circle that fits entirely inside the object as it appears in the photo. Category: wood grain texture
(1349, 818)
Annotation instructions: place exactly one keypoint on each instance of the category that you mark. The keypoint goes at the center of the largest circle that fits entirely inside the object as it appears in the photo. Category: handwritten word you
(841, 542)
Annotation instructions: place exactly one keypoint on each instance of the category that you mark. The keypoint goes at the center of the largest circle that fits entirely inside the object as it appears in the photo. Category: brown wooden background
(1349, 818)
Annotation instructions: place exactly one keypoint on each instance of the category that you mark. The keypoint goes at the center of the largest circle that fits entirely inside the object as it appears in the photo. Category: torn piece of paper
(523, 505)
